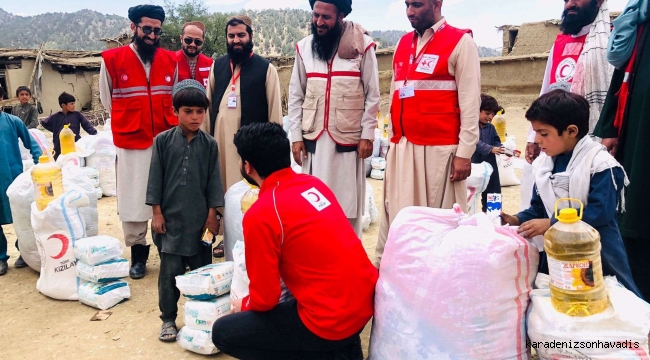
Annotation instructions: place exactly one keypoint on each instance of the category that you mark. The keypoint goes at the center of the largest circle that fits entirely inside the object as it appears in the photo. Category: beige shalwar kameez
(420, 175)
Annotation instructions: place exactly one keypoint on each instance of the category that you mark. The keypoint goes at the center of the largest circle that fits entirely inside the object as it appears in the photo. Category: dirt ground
(33, 326)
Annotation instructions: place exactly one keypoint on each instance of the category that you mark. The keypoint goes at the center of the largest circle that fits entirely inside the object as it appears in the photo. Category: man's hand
(212, 223)
(532, 228)
(461, 168)
(498, 150)
(158, 224)
(532, 152)
(299, 152)
(509, 219)
(611, 144)
(364, 149)
(235, 306)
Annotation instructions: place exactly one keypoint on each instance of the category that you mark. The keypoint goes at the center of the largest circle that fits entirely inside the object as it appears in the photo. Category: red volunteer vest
(202, 71)
(432, 116)
(566, 52)
(141, 109)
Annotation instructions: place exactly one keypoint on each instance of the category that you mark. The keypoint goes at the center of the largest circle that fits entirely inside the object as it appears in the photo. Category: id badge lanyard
(413, 61)
(232, 98)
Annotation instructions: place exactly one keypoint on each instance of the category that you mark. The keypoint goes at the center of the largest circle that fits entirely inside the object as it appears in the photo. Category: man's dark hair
(265, 146)
(560, 109)
(190, 97)
(23, 88)
(489, 103)
(66, 98)
(236, 22)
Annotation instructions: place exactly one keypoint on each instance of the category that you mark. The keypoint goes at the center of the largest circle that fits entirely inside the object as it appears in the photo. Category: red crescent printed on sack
(316, 195)
(65, 243)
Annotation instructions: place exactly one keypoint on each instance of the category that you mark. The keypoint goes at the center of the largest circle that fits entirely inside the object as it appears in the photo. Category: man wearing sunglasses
(136, 84)
(192, 64)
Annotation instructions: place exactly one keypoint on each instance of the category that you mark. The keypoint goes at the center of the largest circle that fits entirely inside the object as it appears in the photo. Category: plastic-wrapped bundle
(98, 249)
(377, 174)
(207, 282)
(105, 272)
(198, 341)
(104, 296)
(201, 315)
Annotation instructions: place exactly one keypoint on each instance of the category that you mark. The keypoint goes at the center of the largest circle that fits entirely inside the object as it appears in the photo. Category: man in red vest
(192, 64)
(434, 110)
(136, 84)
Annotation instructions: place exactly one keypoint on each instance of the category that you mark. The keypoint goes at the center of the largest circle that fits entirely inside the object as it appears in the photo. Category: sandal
(168, 332)
(218, 251)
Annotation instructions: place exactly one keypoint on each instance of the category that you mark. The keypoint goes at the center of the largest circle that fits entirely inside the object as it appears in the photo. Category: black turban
(151, 11)
(345, 6)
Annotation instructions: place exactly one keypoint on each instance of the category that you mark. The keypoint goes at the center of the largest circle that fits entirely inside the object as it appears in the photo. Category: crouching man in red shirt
(296, 232)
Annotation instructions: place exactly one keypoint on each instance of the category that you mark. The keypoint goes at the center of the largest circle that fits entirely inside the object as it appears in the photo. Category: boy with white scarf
(572, 165)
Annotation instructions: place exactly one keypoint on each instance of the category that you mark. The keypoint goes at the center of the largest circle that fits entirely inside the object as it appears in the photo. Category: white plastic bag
(452, 287)
(198, 341)
(233, 217)
(201, 315)
(104, 296)
(619, 332)
(383, 147)
(476, 183)
(370, 212)
(109, 271)
(207, 282)
(74, 178)
(98, 249)
(41, 140)
(506, 165)
(21, 197)
(57, 228)
(103, 159)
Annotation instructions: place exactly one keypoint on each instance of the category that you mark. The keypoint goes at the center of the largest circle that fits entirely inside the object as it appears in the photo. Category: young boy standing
(67, 116)
(489, 145)
(572, 165)
(25, 111)
(185, 191)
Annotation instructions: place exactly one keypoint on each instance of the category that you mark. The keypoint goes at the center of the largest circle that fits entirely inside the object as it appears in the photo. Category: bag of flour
(201, 315)
(476, 183)
(104, 296)
(207, 282)
(198, 341)
(57, 229)
(74, 178)
(506, 165)
(105, 272)
(21, 197)
(98, 249)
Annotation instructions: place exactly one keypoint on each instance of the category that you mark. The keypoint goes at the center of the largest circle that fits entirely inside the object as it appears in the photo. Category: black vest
(254, 105)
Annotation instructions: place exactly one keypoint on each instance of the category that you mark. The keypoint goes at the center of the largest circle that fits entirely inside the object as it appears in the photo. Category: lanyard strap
(412, 60)
(234, 77)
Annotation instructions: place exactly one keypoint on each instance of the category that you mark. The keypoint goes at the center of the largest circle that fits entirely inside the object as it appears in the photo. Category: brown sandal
(218, 251)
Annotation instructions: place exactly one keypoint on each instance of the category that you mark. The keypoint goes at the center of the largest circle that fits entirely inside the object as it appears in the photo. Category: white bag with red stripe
(452, 287)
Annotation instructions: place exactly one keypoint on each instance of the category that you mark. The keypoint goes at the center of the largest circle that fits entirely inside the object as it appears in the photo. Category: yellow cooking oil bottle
(499, 122)
(573, 251)
(249, 197)
(48, 182)
(66, 138)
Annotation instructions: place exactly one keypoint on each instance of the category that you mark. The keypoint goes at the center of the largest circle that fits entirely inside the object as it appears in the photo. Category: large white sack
(233, 217)
(74, 178)
(21, 197)
(452, 287)
(201, 315)
(103, 159)
(207, 282)
(70, 159)
(198, 341)
(57, 228)
(104, 296)
(620, 332)
(98, 249)
(476, 183)
(41, 140)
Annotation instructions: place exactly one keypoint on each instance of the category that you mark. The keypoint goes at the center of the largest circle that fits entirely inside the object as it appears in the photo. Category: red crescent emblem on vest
(125, 77)
(168, 78)
(316, 195)
(65, 243)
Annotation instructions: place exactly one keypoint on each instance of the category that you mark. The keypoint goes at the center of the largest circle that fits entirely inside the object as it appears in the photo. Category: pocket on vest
(125, 117)
(349, 111)
(170, 118)
(309, 109)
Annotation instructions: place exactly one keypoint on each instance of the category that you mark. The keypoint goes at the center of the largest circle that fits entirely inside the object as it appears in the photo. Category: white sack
(476, 183)
(201, 315)
(70, 159)
(98, 249)
(104, 296)
(370, 212)
(21, 197)
(74, 178)
(198, 341)
(103, 159)
(233, 217)
(507, 175)
(207, 282)
(109, 271)
(376, 145)
(41, 140)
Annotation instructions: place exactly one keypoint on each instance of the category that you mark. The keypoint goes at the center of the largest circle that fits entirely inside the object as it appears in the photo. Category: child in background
(184, 191)
(489, 145)
(67, 116)
(25, 111)
(572, 165)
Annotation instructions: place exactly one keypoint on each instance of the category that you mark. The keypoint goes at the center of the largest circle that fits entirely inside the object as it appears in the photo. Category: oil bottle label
(571, 275)
(44, 189)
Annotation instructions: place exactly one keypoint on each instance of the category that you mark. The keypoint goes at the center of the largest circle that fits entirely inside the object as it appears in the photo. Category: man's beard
(572, 24)
(146, 51)
(239, 55)
(324, 46)
(190, 55)
(246, 177)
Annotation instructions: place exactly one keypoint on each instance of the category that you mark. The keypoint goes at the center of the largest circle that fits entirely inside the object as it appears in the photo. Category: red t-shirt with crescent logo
(297, 231)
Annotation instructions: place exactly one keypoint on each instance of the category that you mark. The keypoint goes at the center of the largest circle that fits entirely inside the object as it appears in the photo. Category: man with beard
(577, 63)
(192, 64)
(136, 84)
(333, 104)
(243, 88)
(436, 95)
